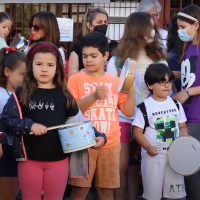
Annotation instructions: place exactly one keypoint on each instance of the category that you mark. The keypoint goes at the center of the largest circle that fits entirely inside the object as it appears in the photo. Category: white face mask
(151, 38)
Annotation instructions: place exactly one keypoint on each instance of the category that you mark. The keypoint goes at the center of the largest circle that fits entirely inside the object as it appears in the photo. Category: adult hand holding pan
(127, 75)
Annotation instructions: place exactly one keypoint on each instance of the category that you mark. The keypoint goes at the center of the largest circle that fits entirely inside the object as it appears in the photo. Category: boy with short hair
(96, 93)
(166, 120)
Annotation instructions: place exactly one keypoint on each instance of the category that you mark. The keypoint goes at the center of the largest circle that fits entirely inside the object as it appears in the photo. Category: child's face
(190, 29)
(44, 69)
(162, 89)
(5, 27)
(15, 77)
(93, 60)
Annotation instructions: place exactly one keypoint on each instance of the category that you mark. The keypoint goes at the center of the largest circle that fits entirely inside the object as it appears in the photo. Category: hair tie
(42, 46)
(8, 49)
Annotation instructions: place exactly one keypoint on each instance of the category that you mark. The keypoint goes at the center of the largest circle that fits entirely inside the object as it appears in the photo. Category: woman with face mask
(96, 19)
(140, 42)
(189, 32)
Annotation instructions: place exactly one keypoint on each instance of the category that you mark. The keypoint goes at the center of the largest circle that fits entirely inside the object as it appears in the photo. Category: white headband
(187, 16)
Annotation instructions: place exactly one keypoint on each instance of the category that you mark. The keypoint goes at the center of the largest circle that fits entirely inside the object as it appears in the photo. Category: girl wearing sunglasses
(44, 27)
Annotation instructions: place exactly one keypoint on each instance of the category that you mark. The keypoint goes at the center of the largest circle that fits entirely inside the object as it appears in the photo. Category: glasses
(36, 28)
(163, 83)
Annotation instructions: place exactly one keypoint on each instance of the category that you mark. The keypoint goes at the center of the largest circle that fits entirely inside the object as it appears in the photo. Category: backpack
(135, 147)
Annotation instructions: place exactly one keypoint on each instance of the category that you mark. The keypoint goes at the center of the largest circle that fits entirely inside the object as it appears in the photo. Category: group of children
(34, 95)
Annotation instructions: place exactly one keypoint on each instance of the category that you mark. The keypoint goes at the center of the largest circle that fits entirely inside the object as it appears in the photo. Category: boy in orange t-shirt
(96, 93)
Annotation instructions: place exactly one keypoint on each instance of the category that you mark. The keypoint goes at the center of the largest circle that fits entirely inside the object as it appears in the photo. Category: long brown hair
(193, 11)
(30, 83)
(49, 23)
(173, 40)
(138, 26)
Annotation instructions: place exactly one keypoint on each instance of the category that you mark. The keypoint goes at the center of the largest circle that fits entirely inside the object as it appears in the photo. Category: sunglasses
(36, 28)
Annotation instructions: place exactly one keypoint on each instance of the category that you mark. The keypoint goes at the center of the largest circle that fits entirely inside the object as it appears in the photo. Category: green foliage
(24, 13)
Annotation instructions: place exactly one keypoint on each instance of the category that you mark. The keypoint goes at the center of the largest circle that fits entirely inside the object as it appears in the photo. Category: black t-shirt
(77, 49)
(48, 107)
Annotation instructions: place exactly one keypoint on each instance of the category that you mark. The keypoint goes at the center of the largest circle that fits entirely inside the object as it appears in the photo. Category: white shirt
(163, 41)
(163, 118)
(63, 56)
(140, 88)
(3, 98)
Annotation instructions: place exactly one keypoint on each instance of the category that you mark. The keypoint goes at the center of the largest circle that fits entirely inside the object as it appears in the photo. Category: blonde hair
(89, 17)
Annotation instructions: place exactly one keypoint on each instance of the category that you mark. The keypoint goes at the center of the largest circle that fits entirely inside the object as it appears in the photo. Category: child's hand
(100, 93)
(100, 142)
(38, 129)
(152, 151)
(183, 134)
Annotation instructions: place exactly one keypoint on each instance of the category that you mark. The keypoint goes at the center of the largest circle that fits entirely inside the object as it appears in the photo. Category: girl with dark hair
(5, 26)
(175, 48)
(189, 32)
(12, 70)
(45, 101)
(140, 42)
(44, 27)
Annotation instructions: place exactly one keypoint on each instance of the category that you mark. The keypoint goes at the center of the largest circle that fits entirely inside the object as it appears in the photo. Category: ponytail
(10, 60)
(3, 78)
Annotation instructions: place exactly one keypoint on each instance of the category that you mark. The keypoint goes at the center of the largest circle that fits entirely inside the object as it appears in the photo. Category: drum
(184, 155)
(127, 75)
(76, 138)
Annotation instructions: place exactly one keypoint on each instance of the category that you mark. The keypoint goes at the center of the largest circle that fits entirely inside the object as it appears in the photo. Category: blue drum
(76, 138)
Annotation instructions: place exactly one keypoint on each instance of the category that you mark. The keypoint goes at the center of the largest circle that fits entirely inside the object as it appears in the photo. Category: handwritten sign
(66, 29)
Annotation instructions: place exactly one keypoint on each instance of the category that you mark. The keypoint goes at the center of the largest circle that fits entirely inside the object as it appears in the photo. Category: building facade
(118, 11)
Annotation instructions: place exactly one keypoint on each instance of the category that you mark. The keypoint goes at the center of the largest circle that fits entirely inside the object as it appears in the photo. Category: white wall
(117, 10)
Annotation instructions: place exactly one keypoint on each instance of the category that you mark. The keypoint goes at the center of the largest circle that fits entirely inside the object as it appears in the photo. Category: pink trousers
(51, 177)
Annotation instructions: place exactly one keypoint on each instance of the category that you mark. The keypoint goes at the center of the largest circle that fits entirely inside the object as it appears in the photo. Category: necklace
(7, 92)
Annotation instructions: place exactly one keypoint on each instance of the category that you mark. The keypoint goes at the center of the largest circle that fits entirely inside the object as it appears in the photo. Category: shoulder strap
(176, 102)
(144, 112)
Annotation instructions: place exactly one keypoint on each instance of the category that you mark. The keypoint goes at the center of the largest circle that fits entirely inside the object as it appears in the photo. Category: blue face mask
(184, 36)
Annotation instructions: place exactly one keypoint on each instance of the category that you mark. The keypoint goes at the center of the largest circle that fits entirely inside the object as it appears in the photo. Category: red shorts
(125, 127)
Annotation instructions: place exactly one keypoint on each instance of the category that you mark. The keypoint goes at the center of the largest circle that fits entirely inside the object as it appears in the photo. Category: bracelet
(187, 92)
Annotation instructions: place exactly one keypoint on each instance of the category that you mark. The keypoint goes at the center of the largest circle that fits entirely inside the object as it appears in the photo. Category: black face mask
(101, 28)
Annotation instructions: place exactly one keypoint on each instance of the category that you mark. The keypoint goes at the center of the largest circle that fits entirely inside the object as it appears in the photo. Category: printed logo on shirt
(166, 128)
(188, 70)
(102, 112)
(41, 104)
(164, 112)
